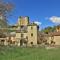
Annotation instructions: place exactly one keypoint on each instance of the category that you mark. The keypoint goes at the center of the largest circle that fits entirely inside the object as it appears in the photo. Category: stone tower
(23, 21)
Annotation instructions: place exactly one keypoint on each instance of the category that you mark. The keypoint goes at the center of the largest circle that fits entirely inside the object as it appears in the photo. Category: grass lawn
(17, 53)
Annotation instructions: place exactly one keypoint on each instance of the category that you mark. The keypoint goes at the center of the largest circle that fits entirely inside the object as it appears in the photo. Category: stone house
(23, 33)
(26, 33)
(54, 38)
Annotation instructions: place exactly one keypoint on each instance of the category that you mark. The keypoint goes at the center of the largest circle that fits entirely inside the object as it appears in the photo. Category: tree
(49, 29)
(5, 9)
(42, 38)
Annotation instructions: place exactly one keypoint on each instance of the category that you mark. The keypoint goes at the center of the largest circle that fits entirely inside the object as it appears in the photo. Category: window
(31, 27)
(21, 35)
(31, 34)
(26, 37)
(31, 43)
(22, 26)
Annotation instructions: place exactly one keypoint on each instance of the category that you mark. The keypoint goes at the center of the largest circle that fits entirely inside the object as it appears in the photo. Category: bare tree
(42, 38)
(5, 9)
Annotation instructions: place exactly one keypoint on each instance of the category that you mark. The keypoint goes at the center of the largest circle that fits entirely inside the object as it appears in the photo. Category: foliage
(49, 29)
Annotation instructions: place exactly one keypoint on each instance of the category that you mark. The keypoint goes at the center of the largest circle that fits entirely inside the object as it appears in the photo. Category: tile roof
(54, 34)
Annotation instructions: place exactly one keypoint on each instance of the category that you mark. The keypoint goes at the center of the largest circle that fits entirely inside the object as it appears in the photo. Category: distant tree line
(50, 29)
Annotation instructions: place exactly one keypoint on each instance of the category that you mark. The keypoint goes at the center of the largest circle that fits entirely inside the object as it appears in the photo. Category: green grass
(17, 53)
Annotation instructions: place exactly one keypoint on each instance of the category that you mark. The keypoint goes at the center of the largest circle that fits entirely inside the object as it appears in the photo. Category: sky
(43, 12)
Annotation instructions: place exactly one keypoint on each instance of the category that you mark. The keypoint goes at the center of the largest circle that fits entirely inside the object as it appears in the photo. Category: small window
(26, 37)
(31, 34)
(2, 40)
(21, 35)
(31, 43)
(31, 27)
(22, 27)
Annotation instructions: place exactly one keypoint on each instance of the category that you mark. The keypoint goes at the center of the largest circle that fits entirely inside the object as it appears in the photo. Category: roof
(18, 31)
(12, 34)
(32, 24)
(11, 26)
(54, 34)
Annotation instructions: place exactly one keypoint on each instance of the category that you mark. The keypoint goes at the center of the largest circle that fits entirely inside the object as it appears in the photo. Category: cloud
(55, 19)
(38, 23)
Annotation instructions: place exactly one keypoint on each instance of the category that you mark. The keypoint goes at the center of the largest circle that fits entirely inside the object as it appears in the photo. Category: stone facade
(30, 36)
(23, 20)
(54, 38)
(23, 33)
